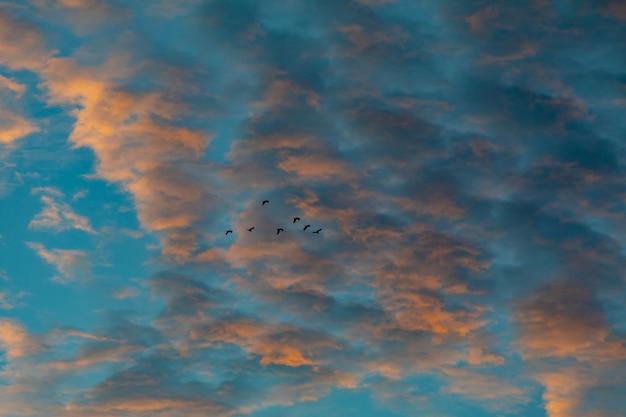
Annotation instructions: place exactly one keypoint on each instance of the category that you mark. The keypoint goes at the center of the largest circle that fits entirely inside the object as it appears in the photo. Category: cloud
(617, 10)
(75, 3)
(56, 214)
(14, 126)
(147, 157)
(173, 8)
(10, 84)
(526, 51)
(84, 17)
(313, 166)
(4, 303)
(10, 300)
(126, 292)
(363, 40)
(462, 159)
(22, 44)
(563, 392)
(478, 20)
(71, 264)
(562, 320)
(15, 339)
(484, 387)
(102, 356)
(79, 194)
(280, 345)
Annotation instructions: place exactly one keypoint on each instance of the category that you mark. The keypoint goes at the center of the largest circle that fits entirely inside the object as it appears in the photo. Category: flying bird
(251, 229)
(229, 231)
(317, 231)
(295, 219)
(306, 227)
(265, 202)
(279, 230)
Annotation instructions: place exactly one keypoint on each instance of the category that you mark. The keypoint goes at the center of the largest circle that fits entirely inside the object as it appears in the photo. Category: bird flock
(295, 219)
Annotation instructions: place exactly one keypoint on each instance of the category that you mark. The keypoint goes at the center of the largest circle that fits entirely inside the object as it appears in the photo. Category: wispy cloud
(126, 292)
(10, 84)
(71, 264)
(14, 126)
(15, 340)
(56, 214)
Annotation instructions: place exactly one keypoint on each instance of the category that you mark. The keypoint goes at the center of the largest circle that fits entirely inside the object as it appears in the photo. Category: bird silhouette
(265, 202)
(295, 219)
(306, 227)
(229, 231)
(317, 231)
(251, 229)
(279, 230)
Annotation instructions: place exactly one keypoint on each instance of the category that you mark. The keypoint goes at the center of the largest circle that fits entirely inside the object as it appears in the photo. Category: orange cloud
(561, 321)
(617, 10)
(117, 354)
(417, 312)
(15, 340)
(13, 403)
(152, 160)
(76, 3)
(362, 39)
(9, 84)
(277, 345)
(526, 51)
(165, 407)
(312, 166)
(14, 126)
(83, 16)
(478, 20)
(477, 355)
(21, 44)
(564, 391)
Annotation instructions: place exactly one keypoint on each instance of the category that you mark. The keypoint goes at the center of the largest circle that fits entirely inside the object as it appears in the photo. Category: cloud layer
(463, 161)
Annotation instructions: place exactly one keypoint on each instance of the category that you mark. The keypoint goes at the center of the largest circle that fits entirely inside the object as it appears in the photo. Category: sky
(463, 159)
